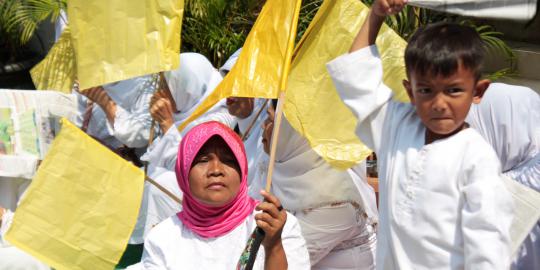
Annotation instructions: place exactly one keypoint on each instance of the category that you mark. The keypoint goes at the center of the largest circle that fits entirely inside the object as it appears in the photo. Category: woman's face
(214, 178)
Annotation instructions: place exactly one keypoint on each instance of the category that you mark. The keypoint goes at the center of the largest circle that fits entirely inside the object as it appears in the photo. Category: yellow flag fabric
(122, 39)
(58, 70)
(312, 105)
(263, 64)
(81, 207)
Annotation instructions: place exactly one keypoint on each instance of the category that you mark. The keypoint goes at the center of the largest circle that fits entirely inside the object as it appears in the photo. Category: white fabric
(303, 181)
(60, 25)
(257, 158)
(508, 118)
(499, 9)
(11, 190)
(338, 229)
(229, 64)
(12, 258)
(442, 205)
(132, 121)
(156, 205)
(170, 245)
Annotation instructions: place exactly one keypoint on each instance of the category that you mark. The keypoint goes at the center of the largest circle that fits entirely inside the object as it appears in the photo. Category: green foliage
(20, 18)
(217, 28)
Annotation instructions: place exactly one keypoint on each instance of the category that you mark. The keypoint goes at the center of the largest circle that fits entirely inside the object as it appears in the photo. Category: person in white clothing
(336, 209)
(443, 204)
(217, 216)
(508, 118)
(186, 88)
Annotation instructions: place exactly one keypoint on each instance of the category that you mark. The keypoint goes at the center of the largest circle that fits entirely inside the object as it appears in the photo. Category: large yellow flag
(122, 39)
(81, 207)
(58, 70)
(312, 105)
(263, 64)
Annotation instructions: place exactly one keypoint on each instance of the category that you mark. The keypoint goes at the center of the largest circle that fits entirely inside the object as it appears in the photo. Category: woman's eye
(202, 159)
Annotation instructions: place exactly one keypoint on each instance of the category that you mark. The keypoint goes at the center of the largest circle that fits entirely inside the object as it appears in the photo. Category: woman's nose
(215, 167)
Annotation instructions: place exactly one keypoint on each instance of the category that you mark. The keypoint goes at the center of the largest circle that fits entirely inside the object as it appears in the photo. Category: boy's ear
(408, 87)
(480, 90)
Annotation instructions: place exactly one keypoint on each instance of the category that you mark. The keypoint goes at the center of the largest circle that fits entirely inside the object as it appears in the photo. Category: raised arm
(370, 29)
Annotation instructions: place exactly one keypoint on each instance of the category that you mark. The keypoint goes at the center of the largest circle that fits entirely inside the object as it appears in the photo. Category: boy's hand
(385, 8)
(271, 221)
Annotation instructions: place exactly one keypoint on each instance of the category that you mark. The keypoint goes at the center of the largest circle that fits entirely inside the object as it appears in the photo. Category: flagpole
(281, 99)
(160, 187)
(250, 127)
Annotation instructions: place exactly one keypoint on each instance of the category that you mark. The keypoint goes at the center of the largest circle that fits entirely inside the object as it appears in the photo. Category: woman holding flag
(218, 216)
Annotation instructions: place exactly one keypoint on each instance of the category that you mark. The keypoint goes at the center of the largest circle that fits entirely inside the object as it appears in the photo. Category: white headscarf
(229, 64)
(191, 83)
(509, 119)
(302, 179)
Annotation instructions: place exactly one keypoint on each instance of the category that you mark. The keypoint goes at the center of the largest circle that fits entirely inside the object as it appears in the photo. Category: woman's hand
(101, 98)
(161, 110)
(271, 220)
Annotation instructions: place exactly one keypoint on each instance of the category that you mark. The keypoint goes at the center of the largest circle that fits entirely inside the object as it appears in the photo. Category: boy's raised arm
(370, 29)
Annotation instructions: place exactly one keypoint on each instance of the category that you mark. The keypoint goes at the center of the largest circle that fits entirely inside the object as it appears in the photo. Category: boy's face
(442, 103)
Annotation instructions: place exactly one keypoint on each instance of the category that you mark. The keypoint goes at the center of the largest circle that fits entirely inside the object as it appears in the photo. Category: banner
(29, 121)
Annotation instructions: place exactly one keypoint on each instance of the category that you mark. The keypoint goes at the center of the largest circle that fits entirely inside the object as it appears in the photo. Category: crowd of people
(441, 159)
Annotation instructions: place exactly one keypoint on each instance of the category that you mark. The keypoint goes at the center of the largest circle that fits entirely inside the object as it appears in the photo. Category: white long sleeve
(487, 212)
(358, 79)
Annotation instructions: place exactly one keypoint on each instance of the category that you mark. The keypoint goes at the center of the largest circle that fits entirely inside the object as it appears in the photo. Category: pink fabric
(208, 221)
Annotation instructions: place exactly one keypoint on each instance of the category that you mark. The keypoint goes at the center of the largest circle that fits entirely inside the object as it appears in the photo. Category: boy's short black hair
(438, 49)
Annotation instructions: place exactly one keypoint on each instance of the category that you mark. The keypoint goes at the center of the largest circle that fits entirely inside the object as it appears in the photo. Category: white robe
(509, 119)
(442, 205)
(171, 245)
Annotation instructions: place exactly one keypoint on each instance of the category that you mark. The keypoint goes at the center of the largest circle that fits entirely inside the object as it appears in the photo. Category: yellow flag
(262, 67)
(122, 39)
(312, 105)
(58, 70)
(81, 207)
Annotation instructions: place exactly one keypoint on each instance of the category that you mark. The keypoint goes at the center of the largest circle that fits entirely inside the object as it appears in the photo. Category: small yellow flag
(81, 207)
(58, 70)
(262, 67)
(312, 105)
(122, 39)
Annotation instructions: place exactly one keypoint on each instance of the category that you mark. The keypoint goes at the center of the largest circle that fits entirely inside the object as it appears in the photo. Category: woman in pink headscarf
(218, 216)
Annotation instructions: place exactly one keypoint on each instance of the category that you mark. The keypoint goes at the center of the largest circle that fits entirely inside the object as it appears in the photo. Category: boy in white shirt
(442, 203)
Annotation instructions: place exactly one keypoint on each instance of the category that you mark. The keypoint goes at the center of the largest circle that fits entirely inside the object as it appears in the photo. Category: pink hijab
(210, 221)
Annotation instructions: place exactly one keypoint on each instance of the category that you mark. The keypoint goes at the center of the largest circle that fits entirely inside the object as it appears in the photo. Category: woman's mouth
(216, 186)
